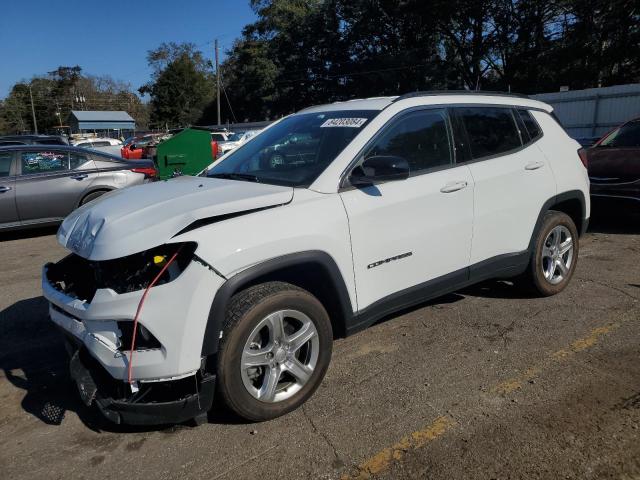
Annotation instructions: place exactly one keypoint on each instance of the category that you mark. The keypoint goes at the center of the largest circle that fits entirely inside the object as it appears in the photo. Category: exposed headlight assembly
(81, 278)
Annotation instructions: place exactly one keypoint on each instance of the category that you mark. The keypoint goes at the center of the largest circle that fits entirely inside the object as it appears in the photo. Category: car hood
(131, 220)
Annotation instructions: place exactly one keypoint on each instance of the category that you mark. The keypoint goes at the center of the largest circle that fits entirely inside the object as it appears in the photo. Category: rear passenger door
(8, 211)
(51, 183)
(511, 176)
(405, 233)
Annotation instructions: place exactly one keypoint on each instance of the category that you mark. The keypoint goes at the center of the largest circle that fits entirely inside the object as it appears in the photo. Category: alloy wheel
(557, 254)
(279, 356)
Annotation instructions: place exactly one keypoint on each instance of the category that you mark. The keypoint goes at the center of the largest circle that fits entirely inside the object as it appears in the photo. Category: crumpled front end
(95, 302)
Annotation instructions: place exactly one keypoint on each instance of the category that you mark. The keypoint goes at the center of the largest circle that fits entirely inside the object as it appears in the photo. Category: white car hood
(131, 220)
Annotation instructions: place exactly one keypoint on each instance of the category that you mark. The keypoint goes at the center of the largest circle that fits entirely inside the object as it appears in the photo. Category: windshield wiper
(236, 176)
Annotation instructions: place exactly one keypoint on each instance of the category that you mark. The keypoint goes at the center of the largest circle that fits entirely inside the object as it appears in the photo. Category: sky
(108, 38)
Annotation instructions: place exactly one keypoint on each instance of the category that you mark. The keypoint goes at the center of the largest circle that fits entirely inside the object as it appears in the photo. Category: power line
(235, 120)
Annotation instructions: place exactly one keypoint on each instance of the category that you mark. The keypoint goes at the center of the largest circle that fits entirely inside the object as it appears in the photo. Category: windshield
(295, 151)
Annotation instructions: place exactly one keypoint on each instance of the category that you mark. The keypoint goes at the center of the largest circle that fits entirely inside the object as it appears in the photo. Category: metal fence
(594, 111)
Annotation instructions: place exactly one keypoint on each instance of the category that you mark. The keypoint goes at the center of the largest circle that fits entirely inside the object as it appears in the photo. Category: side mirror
(380, 168)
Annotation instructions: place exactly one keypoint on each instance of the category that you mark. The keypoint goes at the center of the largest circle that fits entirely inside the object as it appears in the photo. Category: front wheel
(275, 350)
(555, 254)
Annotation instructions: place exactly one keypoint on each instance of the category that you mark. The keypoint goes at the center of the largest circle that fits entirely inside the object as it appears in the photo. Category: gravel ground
(483, 383)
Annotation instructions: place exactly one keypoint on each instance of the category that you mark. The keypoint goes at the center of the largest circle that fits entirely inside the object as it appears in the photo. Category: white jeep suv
(238, 281)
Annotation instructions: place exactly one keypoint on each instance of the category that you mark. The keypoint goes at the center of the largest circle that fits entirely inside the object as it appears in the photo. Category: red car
(134, 150)
(614, 163)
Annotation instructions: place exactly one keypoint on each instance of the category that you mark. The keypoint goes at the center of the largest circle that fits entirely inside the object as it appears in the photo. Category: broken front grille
(80, 278)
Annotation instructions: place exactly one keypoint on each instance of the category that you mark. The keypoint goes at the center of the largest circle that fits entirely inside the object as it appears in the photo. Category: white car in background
(237, 281)
(235, 140)
(103, 144)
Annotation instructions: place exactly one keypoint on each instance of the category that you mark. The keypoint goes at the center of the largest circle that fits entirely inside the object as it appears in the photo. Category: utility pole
(33, 111)
(217, 81)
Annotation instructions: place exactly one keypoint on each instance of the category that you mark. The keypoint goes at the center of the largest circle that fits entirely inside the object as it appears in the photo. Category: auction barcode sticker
(344, 122)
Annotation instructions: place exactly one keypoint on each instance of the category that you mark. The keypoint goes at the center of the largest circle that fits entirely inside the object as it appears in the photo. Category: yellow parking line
(382, 460)
(579, 345)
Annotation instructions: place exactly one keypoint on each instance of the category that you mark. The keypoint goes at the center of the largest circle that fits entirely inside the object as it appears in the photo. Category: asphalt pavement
(484, 383)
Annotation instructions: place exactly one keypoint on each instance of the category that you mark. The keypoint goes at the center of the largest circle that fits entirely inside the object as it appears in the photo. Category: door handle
(453, 187)
(534, 165)
(4, 189)
(80, 176)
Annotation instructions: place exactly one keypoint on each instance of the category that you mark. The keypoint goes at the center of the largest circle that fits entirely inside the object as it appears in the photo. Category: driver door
(410, 232)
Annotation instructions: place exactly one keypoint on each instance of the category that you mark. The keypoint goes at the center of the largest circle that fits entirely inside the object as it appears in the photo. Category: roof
(433, 97)
(101, 116)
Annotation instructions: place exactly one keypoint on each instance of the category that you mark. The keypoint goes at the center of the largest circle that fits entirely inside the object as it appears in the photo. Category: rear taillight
(582, 153)
(149, 172)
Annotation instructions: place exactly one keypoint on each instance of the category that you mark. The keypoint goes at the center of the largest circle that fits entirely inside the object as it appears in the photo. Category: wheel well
(103, 190)
(573, 208)
(314, 278)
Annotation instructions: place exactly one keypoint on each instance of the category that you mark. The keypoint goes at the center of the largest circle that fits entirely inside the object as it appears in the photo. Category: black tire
(92, 196)
(245, 312)
(535, 274)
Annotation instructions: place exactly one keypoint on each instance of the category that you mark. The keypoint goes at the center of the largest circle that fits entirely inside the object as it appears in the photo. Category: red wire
(144, 297)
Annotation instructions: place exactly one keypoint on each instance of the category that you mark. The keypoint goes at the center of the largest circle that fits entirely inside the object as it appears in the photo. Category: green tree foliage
(57, 93)
(182, 85)
(302, 52)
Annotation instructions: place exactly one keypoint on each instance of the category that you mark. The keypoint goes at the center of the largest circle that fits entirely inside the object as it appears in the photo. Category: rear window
(628, 135)
(491, 130)
(533, 129)
(49, 141)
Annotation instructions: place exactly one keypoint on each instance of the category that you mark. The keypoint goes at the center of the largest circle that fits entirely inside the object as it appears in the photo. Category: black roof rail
(428, 93)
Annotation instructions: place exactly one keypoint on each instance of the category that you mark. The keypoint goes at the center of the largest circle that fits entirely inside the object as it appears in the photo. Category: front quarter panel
(312, 221)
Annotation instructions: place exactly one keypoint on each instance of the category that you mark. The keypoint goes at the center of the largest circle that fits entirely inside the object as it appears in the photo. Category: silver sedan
(42, 184)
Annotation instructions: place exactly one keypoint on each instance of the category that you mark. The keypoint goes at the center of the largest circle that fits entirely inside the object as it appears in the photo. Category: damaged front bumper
(153, 404)
(171, 383)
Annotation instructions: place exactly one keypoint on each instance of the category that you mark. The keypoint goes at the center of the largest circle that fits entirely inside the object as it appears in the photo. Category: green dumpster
(186, 153)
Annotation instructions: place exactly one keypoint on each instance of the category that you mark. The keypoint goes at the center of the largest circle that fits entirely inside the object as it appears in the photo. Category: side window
(533, 129)
(100, 144)
(627, 135)
(77, 159)
(491, 130)
(84, 144)
(5, 163)
(44, 162)
(421, 138)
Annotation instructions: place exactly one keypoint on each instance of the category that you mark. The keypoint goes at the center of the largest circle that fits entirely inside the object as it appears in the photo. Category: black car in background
(8, 140)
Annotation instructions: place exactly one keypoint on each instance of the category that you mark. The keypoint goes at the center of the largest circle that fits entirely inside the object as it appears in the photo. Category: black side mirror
(380, 168)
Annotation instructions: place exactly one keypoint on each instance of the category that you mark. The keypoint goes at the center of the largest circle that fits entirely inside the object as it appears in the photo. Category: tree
(56, 94)
(181, 87)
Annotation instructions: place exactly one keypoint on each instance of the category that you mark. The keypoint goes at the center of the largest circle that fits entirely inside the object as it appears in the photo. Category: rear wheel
(555, 254)
(275, 349)
(92, 196)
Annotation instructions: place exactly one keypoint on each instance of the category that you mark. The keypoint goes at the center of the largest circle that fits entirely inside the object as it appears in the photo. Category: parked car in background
(134, 148)
(111, 146)
(8, 140)
(218, 137)
(614, 163)
(43, 184)
(235, 140)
